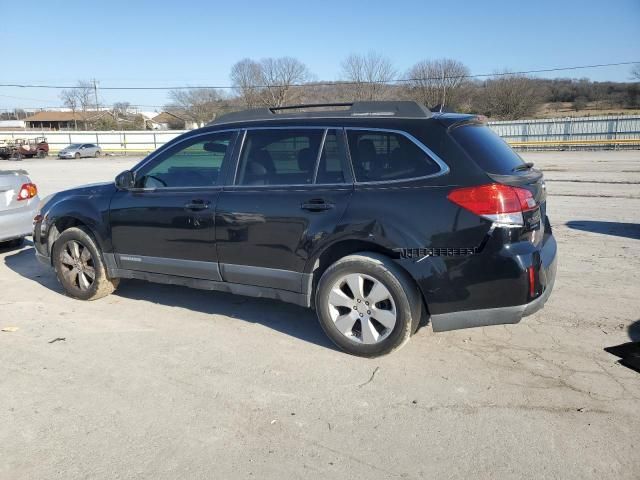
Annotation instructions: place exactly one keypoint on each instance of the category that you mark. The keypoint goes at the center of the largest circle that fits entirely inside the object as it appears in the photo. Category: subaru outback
(381, 216)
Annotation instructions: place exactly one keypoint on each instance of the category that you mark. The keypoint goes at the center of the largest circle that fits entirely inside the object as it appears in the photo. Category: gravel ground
(165, 382)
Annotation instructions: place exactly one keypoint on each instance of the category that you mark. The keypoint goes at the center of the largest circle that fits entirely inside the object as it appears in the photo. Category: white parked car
(79, 150)
(18, 205)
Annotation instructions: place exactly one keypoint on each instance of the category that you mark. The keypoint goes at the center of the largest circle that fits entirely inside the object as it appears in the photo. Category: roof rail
(398, 109)
(310, 105)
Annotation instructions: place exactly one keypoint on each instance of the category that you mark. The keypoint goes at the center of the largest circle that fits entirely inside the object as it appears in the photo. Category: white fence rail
(581, 132)
(133, 141)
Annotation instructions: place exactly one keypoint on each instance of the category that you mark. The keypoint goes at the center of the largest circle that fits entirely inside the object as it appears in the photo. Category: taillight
(502, 204)
(532, 281)
(27, 191)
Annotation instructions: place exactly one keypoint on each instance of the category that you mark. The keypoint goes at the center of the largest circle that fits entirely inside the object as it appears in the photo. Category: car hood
(90, 190)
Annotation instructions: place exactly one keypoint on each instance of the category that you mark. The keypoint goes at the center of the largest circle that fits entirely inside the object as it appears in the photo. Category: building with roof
(64, 120)
(173, 120)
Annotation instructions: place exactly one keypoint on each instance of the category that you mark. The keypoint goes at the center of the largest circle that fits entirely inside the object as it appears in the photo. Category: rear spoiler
(454, 122)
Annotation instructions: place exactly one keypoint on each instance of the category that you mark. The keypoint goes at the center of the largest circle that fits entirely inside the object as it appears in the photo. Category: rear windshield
(487, 149)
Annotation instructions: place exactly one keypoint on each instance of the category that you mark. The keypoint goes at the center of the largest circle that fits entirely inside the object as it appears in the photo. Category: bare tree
(84, 92)
(436, 82)
(272, 82)
(278, 77)
(121, 109)
(509, 97)
(201, 105)
(70, 100)
(120, 112)
(246, 79)
(635, 71)
(370, 75)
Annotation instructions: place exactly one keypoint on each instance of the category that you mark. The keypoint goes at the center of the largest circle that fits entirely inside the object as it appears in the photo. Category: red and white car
(18, 205)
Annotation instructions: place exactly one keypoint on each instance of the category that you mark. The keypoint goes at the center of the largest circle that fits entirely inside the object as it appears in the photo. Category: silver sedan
(18, 205)
(78, 150)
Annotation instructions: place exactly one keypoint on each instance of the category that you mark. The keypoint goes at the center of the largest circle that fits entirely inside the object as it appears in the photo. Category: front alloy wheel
(78, 265)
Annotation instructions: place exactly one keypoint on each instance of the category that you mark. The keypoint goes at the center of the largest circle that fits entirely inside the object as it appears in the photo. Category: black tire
(97, 154)
(17, 157)
(77, 156)
(401, 287)
(71, 278)
(42, 154)
(15, 243)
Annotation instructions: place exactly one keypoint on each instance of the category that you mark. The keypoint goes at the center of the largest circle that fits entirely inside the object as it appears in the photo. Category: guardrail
(555, 133)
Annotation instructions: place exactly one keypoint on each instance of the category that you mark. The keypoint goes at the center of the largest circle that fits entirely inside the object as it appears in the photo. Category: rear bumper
(18, 223)
(546, 274)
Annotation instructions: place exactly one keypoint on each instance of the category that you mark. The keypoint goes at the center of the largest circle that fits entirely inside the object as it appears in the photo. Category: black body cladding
(265, 228)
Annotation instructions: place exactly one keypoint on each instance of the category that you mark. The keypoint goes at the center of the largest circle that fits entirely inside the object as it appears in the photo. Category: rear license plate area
(532, 219)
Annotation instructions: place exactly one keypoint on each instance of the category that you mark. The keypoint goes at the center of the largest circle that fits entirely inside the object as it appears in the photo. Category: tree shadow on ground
(629, 353)
(289, 319)
(618, 229)
(634, 331)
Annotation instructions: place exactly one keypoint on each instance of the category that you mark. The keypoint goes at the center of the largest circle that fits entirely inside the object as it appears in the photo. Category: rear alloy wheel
(362, 308)
(79, 266)
(368, 305)
(97, 154)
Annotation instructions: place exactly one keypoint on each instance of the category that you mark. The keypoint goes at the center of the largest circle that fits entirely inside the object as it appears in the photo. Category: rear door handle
(197, 205)
(316, 205)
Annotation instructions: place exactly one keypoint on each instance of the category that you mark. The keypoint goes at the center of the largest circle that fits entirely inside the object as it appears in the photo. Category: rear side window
(379, 156)
(487, 149)
(279, 157)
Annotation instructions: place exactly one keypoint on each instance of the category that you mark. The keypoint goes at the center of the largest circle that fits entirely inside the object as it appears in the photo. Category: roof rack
(397, 109)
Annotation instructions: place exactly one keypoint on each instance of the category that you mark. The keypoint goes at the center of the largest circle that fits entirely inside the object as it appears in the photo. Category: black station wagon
(381, 216)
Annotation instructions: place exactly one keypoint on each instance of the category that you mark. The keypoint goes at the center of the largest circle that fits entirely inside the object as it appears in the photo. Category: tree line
(443, 84)
(438, 84)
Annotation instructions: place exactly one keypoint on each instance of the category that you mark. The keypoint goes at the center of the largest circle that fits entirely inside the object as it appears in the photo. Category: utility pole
(95, 91)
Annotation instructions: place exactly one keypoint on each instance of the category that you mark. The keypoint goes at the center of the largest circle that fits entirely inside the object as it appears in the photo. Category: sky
(195, 42)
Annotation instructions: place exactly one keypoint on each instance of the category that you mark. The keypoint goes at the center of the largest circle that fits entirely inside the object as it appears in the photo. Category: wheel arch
(318, 264)
(63, 222)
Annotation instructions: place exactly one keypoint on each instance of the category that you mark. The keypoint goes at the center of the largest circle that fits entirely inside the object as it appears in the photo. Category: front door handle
(197, 205)
(316, 205)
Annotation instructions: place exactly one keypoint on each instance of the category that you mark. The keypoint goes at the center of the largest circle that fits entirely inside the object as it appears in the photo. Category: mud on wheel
(79, 265)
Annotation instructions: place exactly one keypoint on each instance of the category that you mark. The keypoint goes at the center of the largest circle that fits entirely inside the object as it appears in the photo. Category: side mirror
(125, 180)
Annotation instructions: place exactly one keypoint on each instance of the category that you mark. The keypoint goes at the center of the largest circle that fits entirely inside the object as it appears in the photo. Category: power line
(65, 108)
(339, 82)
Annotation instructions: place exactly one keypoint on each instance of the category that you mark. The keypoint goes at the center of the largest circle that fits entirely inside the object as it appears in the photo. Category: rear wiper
(524, 166)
